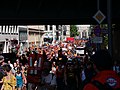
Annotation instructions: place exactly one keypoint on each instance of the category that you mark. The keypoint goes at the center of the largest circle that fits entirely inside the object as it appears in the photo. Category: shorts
(19, 85)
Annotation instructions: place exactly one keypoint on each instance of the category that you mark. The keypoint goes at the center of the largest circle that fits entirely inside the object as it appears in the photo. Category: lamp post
(53, 34)
(60, 29)
(62, 32)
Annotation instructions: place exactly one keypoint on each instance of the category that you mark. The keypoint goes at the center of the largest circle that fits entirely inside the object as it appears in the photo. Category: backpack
(101, 86)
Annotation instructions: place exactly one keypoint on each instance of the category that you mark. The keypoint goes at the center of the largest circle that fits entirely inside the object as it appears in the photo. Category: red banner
(71, 39)
(35, 62)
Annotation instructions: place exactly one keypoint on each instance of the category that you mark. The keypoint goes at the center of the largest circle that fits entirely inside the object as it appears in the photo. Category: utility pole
(27, 37)
(109, 26)
(98, 8)
(53, 34)
(62, 33)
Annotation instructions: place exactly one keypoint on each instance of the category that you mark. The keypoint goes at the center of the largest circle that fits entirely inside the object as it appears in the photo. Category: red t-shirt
(110, 77)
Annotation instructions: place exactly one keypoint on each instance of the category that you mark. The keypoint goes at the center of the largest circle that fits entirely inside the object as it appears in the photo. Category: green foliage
(73, 31)
(106, 40)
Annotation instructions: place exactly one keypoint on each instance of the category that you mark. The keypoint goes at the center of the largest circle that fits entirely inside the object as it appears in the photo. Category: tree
(73, 31)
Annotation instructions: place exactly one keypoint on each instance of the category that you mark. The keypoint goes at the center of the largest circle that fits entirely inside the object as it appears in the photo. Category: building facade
(35, 35)
(23, 38)
(9, 37)
(31, 35)
(56, 33)
(84, 31)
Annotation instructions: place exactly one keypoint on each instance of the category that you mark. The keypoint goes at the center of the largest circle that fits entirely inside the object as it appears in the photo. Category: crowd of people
(63, 69)
(12, 75)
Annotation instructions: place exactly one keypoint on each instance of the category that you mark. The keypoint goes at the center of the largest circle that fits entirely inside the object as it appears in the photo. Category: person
(89, 71)
(11, 65)
(9, 62)
(48, 80)
(106, 78)
(60, 68)
(1, 70)
(15, 67)
(21, 80)
(23, 59)
(9, 80)
(71, 78)
(116, 67)
(62, 58)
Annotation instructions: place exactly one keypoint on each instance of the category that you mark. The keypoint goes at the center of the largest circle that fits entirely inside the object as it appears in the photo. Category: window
(84, 34)
(8, 28)
(64, 28)
(14, 30)
(89, 33)
(64, 32)
(51, 28)
(57, 35)
(80, 34)
(1, 29)
(57, 27)
(46, 27)
(5, 29)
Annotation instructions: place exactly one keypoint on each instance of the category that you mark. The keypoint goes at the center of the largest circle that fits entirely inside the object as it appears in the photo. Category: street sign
(104, 31)
(97, 40)
(99, 17)
(97, 30)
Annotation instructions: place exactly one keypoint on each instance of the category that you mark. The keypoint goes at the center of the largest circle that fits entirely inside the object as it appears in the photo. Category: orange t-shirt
(110, 77)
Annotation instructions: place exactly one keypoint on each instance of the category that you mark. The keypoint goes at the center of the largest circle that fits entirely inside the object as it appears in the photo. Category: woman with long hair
(9, 80)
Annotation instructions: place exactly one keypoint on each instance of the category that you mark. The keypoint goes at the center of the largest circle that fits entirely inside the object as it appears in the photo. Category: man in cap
(106, 78)
(1, 69)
